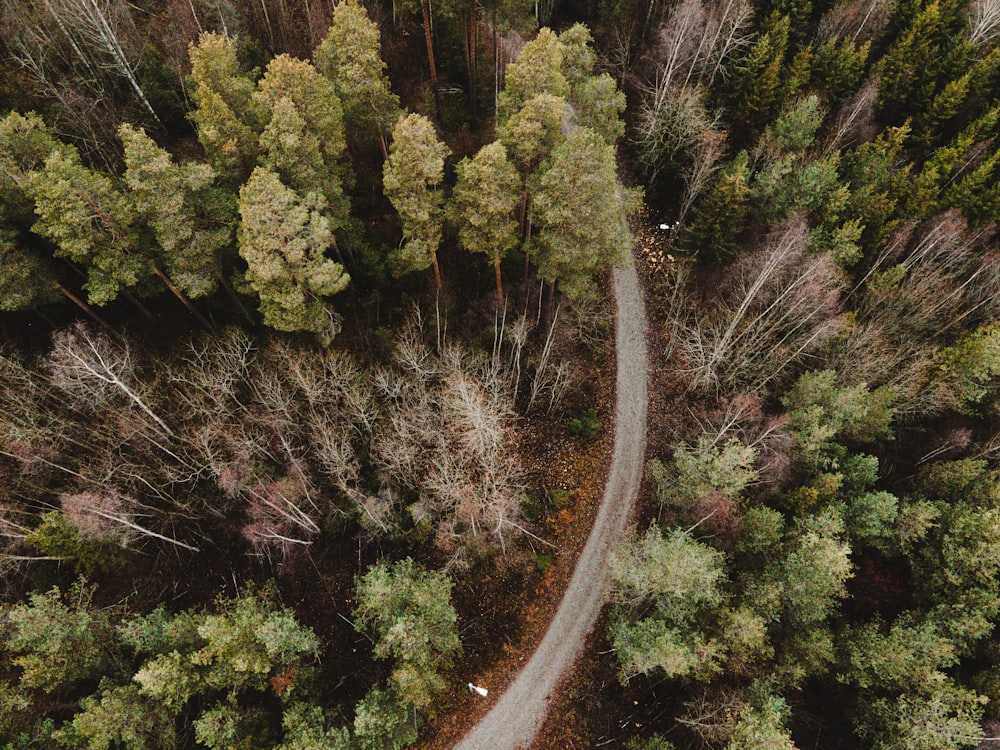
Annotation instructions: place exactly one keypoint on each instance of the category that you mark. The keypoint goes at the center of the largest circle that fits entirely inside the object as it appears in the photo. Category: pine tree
(412, 178)
(716, 221)
(90, 222)
(582, 211)
(314, 99)
(171, 199)
(224, 114)
(538, 70)
(283, 237)
(484, 206)
(350, 57)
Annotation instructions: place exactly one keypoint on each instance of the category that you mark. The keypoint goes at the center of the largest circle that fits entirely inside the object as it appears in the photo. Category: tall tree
(90, 222)
(350, 57)
(484, 206)
(283, 237)
(316, 103)
(173, 199)
(582, 210)
(412, 178)
(538, 70)
(224, 114)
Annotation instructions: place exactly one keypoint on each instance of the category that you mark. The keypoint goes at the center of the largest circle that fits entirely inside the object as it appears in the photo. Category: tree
(25, 144)
(667, 587)
(120, 717)
(411, 613)
(90, 222)
(283, 237)
(484, 205)
(582, 210)
(942, 716)
(350, 57)
(718, 219)
(760, 85)
(412, 178)
(760, 725)
(600, 104)
(224, 115)
(315, 101)
(94, 369)
(538, 70)
(172, 198)
(58, 639)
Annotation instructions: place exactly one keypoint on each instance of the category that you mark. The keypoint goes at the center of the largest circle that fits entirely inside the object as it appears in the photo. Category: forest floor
(517, 716)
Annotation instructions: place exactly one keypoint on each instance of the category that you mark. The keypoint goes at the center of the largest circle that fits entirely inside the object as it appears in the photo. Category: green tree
(537, 70)
(174, 200)
(968, 370)
(283, 237)
(484, 206)
(599, 106)
(761, 83)
(25, 143)
(942, 716)
(90, 222)
(119, 717)
(224, 114)
(411, 613)
(582, 210)
(717, 220)
(412, 178)
(315, 100)
(762, 725)
(666, 588)
(350, 57)
(59, 639)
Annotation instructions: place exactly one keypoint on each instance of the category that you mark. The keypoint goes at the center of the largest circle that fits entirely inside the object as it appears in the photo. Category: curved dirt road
(516, 718)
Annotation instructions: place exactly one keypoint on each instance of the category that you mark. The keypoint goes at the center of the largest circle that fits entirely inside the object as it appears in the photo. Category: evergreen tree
(283, 237)
(412, 177)
(310, 116)
(90, 222)
(350, 57)
(224, 114)
(538, 70)
(484, 206)
(717, 220)
(582, 211)
(173, 199)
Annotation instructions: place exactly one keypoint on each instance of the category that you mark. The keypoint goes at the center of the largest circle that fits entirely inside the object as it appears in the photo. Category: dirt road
(518, 715)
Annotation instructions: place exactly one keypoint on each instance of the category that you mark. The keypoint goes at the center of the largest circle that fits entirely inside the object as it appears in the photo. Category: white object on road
(476, 689)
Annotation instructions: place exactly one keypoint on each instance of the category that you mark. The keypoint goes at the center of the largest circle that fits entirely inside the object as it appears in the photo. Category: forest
(307, 365)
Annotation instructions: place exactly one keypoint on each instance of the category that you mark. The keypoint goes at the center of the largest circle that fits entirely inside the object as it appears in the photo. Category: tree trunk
(184, 300)
(496, 268)
(437, 272)
(425, 8)
(235, 298)
(91, 313)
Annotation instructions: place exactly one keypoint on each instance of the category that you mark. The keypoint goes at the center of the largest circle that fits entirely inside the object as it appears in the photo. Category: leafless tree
(772, 308)
(860, 20)
(855, 121)
(696, 42)
(92, 369)
(928, 283)
(984, 21)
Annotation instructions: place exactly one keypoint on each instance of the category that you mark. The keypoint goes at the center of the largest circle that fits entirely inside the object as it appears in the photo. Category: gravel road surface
(519, 713)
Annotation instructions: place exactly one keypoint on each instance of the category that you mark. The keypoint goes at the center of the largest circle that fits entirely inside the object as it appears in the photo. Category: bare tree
(93, 368)
(855, 121)
(984, 21)
(928, 283)
(861, 20)
(772, 308)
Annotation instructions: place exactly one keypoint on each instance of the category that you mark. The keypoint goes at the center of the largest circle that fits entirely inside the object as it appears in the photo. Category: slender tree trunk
(523, 219)
(437, 272)
(425, 8)
(184, 300)
(383, 145)
(235, 298)
(474, 20)
(496, 268)
(91, 313)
